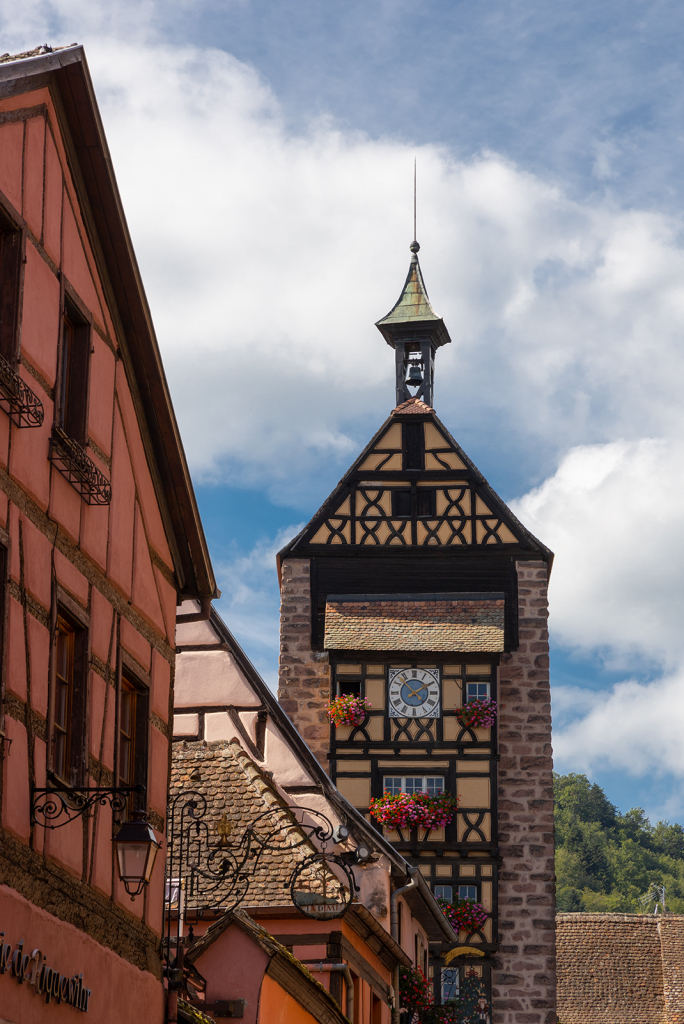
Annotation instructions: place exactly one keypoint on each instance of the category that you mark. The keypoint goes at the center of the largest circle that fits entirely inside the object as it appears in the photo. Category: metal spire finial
(414, 247)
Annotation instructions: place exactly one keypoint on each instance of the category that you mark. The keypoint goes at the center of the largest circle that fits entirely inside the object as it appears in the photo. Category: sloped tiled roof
(385, 623)
(412, 406)
(232, 785)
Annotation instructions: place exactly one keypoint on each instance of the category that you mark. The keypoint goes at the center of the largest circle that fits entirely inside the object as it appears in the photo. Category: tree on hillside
(605, 861)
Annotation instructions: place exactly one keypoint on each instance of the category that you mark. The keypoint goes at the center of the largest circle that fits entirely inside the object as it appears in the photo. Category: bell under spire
(415, 332)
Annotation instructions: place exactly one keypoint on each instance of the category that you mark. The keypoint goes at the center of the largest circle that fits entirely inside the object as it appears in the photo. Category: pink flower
(423, 810)
(479, 713)
(348, 709)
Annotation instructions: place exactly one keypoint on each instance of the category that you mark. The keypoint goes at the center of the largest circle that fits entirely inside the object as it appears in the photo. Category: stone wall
(523, 979)
(620, 969)
(304, 675)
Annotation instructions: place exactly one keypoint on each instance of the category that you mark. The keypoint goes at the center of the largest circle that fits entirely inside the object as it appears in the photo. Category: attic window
(425, 503)
(414, 445)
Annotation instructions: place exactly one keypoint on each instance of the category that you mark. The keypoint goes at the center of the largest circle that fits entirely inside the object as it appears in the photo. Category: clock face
(414, 693)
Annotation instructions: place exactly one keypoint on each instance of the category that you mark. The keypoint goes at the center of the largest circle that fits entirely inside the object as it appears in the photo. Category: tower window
(467, 892)
(402, 504)
(414, 445)
(450, 984)
(425, 503)
(348, 686)
(477, 691)
(432, 784)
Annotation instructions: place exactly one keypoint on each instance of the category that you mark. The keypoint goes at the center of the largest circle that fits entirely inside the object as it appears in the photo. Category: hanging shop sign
(32, 969)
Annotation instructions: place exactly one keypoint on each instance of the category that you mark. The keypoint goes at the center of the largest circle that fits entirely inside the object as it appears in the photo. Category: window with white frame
(444, 892)
(395, 784)
(477, 691)
(467, 892)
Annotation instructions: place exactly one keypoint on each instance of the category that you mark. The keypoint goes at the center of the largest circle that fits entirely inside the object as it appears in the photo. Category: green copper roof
(413, 303)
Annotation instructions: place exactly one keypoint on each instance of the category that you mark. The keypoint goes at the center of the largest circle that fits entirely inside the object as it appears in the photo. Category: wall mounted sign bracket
(56, 806)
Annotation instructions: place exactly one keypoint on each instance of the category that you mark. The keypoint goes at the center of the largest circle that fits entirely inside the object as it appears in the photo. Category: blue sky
(264, 152)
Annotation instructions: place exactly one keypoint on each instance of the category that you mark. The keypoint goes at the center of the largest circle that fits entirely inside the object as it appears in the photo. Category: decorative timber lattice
(412, 489)
(69, 458)
(16, 398)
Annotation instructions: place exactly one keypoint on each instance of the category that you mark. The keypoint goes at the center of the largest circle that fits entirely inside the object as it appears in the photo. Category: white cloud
(635, 728)
(267, 256)
(250, 601)
(613, 516)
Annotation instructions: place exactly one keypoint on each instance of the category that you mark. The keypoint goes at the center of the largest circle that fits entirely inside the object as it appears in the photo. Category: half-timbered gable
(414, 485)
(417, 590)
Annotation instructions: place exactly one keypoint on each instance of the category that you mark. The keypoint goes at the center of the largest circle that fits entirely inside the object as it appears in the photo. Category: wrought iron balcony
(16, 398)
(69, 458)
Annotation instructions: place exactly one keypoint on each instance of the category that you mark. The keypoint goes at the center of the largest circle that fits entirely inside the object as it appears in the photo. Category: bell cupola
(415, 332)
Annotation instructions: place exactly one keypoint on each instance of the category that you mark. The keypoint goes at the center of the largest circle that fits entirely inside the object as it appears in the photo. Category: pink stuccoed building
(100, 538)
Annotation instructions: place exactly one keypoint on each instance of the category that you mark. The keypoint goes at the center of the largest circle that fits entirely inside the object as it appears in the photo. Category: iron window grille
(69, 459)
(16, 398)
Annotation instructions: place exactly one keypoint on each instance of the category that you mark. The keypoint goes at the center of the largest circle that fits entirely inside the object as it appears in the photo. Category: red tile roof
(458, 625)
(413, 405)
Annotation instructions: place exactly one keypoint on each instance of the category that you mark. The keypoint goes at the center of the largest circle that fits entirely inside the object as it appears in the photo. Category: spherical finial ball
(414, 247)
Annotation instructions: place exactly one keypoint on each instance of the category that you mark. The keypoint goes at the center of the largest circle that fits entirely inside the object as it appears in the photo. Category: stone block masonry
(524, 978)
(304, 675)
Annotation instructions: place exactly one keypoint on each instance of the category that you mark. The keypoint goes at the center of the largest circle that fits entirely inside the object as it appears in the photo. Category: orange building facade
(99, 539)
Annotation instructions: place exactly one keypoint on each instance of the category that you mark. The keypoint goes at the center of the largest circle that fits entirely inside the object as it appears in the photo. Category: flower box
(348, 709)
(416, 810)
(463, 915)
(478, 713)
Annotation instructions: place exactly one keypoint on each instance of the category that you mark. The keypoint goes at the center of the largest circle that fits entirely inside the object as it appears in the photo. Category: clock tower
(415, 587)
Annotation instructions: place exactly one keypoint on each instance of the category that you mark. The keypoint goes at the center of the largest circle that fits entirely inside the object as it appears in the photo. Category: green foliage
(606, 860)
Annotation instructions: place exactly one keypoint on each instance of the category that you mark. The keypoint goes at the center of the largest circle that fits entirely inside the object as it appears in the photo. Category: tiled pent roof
(461, 623)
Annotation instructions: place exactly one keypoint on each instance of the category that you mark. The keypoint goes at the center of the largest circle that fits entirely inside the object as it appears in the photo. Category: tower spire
(415, 332)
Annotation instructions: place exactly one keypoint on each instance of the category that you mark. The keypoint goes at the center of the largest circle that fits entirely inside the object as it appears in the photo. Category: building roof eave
(66, 73)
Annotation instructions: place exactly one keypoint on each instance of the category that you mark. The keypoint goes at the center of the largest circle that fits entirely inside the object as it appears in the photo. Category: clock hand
(414, 693)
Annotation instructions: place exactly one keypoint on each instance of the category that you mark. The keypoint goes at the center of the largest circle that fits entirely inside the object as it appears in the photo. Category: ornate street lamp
(136, 850)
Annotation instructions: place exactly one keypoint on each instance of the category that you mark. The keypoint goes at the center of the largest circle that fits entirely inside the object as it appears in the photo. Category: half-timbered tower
(417, 588)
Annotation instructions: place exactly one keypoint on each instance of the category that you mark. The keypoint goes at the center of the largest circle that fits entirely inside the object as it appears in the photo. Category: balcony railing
(16, 398)
(69, 458)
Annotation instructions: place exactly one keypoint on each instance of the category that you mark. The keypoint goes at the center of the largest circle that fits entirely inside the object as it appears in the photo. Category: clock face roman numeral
(414, 693)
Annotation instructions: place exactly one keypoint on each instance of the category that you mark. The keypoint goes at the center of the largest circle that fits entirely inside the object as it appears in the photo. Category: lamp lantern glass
(136, 850)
